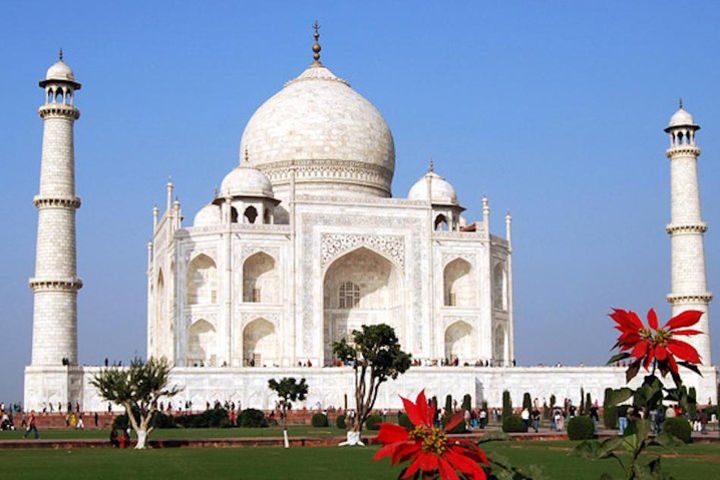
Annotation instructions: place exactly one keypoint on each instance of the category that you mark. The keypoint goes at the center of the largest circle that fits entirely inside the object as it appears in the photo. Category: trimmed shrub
(319, 420)
(252, 418)
(678, 427)
(580, 428)
(404, 421)
(340, 422)
(121, 422)
(373, 422)
(513, 424)
(467, 402)
(448, 404)
(588, 403)
(527, 401)
(507, 404)
(160, 420)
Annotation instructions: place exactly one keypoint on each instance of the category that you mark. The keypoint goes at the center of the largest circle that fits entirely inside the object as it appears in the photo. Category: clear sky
(555, 110)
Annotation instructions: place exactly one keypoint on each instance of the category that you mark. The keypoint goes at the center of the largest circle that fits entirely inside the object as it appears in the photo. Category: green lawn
(694, 461)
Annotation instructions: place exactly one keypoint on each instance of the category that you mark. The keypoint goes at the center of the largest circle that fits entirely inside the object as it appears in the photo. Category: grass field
(691, 462)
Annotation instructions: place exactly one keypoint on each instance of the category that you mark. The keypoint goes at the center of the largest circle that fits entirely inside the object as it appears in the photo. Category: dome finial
(60, 55)
(431, 167)
(680, 103)
(316, 46)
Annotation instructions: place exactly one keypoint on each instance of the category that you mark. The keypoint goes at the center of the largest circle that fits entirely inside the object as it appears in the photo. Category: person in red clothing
(32, 426)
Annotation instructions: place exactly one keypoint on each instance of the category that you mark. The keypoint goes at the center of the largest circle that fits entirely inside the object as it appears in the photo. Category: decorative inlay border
(332, 245)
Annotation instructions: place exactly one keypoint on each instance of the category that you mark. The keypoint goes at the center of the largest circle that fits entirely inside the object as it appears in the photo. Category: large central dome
(336, 141)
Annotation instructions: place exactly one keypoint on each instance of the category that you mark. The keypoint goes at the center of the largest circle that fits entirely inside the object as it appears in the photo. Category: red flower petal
(391, 433)
(640, 350)
(412, 469)
(686, 331)
(660, 353)
(652, 319)
(405, 451)
(385, 451)
(455, 421)
(672, 364)
(447, 472)
(635, 320)
(413, 412)
(683, 350)
(422, 408)
(471, 469)
(624, 320)
(428, 461)
(684, 319)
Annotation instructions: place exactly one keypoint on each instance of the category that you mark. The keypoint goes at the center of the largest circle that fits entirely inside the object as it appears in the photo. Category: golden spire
(316, 46)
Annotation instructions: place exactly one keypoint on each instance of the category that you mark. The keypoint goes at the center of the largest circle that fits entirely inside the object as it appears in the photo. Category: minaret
(686, 228)
(55, 283)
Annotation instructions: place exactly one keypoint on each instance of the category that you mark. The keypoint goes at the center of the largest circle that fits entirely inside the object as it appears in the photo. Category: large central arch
(361, 287)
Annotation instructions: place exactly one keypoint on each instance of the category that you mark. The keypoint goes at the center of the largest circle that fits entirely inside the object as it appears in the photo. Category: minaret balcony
(683, 151)
(58, 110)
(686, 228)
(690, 298)
(56, 202)
(57, 284)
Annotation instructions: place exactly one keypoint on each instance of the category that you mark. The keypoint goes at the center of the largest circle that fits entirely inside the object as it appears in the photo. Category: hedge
(340, 422)
(213, 418)
(404, 421)
(251, 418)
(580, 428)
(319, 420)
(678, 427)
(513, 424)
(373, 422)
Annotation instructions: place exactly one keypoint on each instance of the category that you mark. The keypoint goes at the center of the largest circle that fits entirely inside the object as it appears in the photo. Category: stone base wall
(333, 387)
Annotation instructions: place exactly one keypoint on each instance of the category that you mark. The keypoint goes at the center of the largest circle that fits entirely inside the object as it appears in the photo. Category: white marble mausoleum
(305, 241)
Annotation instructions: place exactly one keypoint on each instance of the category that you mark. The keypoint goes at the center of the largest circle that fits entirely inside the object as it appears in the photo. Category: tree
(288, 390)
(588, 403)
(375, 356)
(507, 404)
(467, 402)
(527, 401)
(137, 388)
(581, 411)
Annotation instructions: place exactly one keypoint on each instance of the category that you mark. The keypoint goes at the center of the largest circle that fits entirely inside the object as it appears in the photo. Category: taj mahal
(305, 241)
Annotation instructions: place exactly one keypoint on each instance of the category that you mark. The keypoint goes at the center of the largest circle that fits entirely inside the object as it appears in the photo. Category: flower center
(433, 439)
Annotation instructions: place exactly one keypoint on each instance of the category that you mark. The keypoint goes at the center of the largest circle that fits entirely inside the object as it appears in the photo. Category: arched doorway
(499, 345)
(201, 344)
(459, 342)
(360, 288)
(458, 284)
(259, 343)
(260, 279)
(202, 281)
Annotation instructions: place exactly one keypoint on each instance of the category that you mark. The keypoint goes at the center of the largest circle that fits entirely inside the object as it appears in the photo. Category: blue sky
(555, 110)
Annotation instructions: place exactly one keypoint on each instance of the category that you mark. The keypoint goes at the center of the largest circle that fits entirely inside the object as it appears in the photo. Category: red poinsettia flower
(652, 342)
(429, 448)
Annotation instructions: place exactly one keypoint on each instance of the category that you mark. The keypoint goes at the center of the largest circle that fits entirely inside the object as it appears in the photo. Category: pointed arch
(250, 214)
(458, 284)
(459, 342)
(441, 223)
(201, 351)
(361, 287)
(499, 286)
(202, 281)
(260, 279)
(260, 343)
(499, 345)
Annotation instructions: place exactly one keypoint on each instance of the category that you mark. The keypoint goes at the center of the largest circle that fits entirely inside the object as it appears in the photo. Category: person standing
(32, 426)
(525, 415)
(622, 411)
(535, 415)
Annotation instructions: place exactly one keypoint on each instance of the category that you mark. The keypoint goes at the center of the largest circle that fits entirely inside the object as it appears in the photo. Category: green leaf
(617, 358)
(632, 370)
(691, 366)
(666, 440)
(616, 397)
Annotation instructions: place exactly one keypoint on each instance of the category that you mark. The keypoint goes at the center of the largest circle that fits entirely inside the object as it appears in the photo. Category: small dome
(60, 71)
(681, 118)
(208, 215)
(246, 181)
(441, 191)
